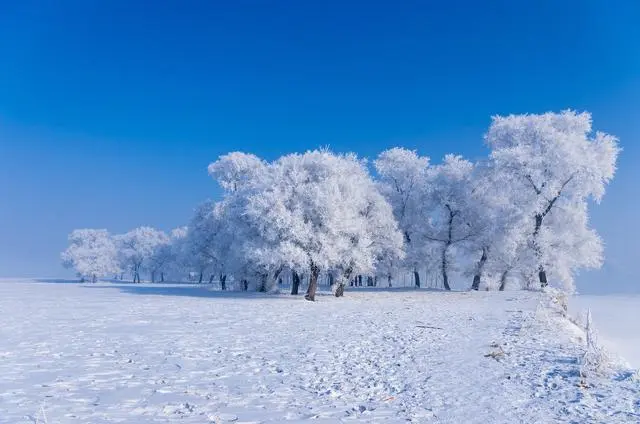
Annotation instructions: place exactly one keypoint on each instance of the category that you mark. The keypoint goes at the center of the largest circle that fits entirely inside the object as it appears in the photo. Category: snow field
(126, 353)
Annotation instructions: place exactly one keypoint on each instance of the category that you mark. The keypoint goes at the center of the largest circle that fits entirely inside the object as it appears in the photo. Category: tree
(178, 265)
(161, 257)
(313, 213)
(137, 247)
(451, 214)
(552, 164)
(92, 253)
(403, 181)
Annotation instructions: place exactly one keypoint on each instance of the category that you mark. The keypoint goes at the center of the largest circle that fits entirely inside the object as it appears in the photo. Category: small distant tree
(92, 253)
(160, 259)
(137, 247)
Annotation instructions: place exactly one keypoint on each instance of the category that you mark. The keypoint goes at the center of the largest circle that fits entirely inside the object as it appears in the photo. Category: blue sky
(111, 110)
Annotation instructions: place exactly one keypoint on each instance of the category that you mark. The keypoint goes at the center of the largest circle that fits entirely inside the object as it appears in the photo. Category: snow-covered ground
(145, 353)
(617, 320)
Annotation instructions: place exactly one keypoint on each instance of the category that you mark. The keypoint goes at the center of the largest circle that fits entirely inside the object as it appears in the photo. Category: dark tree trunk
(313, 283)
(445, 276)
(331, 282)
(445, 264)
(476, 278)
(340, 290)
(389, 280)
(200, 278)
(351, 283)
(263, 283)
(359, 280)
(94, 279)
(245, 285)
(153, 276)
(295, 283)
(503, 280)
(162, 277)
(211, 279)
(416, 278)
(369, 281)
(542, 275)
(223, 281)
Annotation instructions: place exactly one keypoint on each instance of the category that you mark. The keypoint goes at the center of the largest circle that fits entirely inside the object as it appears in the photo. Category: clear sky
(110, 110)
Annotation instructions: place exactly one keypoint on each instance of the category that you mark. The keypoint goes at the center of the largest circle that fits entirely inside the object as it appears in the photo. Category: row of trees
(519, 215)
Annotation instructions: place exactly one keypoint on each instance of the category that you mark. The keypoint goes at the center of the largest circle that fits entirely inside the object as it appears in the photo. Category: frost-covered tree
(178, 265)
(403, 181)
(312, 213)
(137, 247)
(161, 257)
(552, 164)
(451, 214)
(237, 171)
(92, 253)
(202, 236)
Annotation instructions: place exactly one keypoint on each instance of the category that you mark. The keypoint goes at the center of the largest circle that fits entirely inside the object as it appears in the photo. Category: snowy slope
(141, 354)
(617, 319)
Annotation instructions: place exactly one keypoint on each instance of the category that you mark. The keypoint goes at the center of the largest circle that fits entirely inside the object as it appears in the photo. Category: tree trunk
(416, 278)
(295, 284)
(211, 279)
(359, 280)
(162, 277)
(313, 283)
(369, 281)
(153, 276)
(223, 281)
(331, 281)
(263, 283)
(200, 278)
(476, 278)
(340, 290)
(389, 280)
(245, 285)
(503, 280)
(94, 279)
(445, 265)
(542, 275)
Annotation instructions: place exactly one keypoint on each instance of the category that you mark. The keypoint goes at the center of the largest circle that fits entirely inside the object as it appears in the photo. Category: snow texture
(124, 353)
(616, 319)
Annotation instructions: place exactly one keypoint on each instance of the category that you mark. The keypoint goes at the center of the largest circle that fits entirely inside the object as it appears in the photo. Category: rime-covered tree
(92, 253)
(451, 216)
(552, 164)
(403, 181)
(312, 213)
(137, 247)
(160, 259)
